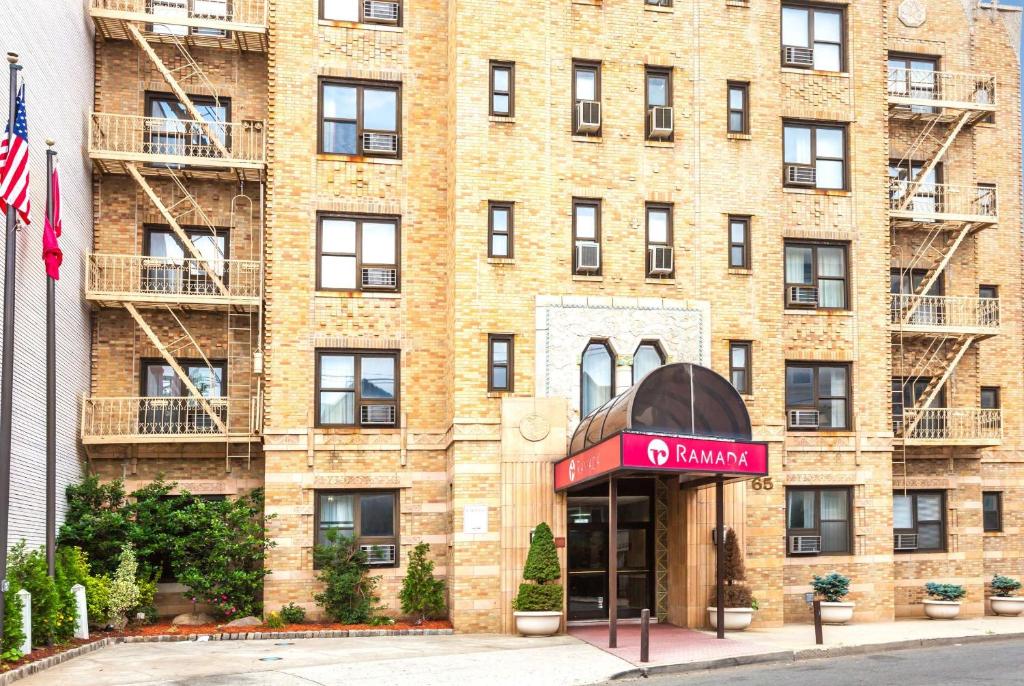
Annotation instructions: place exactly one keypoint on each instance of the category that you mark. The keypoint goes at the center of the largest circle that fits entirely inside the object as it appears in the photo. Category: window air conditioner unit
(377, 415)
(380, 143)
(661, 260)
(904, 541)
(803, 419)
(795, 56)
(385, 12)
(588, 116)
(804, 544)
(801, 175)
(170, 8)
(379, 554)
(588, 256)
(802, 296)
(379, 277)
(660, 122)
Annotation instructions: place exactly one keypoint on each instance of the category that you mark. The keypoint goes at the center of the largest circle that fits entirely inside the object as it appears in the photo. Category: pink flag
(51, 232)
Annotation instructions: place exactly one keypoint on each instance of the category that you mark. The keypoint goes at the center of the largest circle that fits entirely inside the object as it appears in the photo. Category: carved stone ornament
(534, 427)
(912, 13)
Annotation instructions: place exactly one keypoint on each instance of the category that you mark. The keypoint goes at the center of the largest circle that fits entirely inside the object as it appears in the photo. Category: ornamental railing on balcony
(950, 426)
(141, 278)
(910, 87)
(128, 420)
(942, 201)
(944, 312)
(252, 12)
(176, 143)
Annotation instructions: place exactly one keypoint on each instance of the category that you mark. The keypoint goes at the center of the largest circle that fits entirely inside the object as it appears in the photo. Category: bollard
(26, 620)
(818, 638)
(81, 612)
(645, 635)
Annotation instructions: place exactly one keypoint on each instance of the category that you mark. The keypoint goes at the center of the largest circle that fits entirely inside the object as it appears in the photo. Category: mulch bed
(47, 651)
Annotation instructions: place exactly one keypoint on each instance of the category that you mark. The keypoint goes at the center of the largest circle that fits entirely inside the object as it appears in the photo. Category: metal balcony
(939, 203)
(231, 24)
(943, 314)
(924, 94)
(158, 420)
(950, 426)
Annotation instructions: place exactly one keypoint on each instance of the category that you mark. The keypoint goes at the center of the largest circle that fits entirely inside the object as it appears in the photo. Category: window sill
(498, 119)
(659, 144)
(739, 136)
(817, 191)
(583, 277)
(587, 139)
(594, 3)
(741, 271)
(670, 281)
(382, 295)
(498, 394)
(358, 25)
(819, 311)
(335, 157)
(501, 260)
(816, 72)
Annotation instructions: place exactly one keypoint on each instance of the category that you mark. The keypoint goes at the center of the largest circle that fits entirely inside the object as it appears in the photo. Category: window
(814, 156)
(185, 415)
(500, 375)
(907, 392)
(985, 291)
(179, 271)
(986, 202)
(586, 97)
(499, 229)
(812, 37)
(371, 517)
(928, 193)
(356, 388)
(658, 94)
(178, 134)
(205, 9)
(597, 376)
(816, 275)
(739, 366)
(646, 359)
(159, 379)
(586, 236)
(358, 253)
(739, 117)
(359, 118)
(919, 521)
(990, 398)
(818, 521)
(817, 395)
(992, 510)
(912, 76)
(366, 12)
(659, 241)
(659, 3)
(739, 242)
(503, 75)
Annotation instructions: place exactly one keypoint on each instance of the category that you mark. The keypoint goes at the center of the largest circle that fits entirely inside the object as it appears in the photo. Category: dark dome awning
(681, 399)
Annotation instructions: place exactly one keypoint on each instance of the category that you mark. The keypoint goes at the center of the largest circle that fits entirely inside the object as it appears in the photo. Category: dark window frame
(844, 34)
(357, 519)
(647, 342)
(652, 70)
(192, 232)
(587, 202)
(185, 363)
(594, 66)
(816, 529)
(496, 65)
(942, 521)
(606, 344)
(744, 88)
(814, 126)
(815, 278)
(748, 369)
(359, 219)
(362, 15)
(669, 242)
(658, 3)
(988, 288)
(149, 97)
(986, 525)
(357, 400)
(817, 366)
(509, 364)
(509, 233)
(997, 394)
(360, 85)
(745, 245)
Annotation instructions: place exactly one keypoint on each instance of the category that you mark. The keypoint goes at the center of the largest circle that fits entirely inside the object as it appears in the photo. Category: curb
(51, 661)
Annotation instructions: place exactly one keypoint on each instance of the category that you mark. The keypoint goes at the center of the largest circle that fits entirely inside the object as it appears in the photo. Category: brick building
(381, 257)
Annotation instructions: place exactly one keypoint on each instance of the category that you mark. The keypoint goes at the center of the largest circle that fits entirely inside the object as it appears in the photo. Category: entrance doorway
(588, 550)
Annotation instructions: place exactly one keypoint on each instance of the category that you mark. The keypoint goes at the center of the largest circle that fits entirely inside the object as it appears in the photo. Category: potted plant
(943, 601)
(833, 587)
(538, 605)
(1003, 600)
(739, 602)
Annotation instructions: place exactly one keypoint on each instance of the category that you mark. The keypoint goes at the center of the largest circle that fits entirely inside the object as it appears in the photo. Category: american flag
(52, 255)
(14, 163)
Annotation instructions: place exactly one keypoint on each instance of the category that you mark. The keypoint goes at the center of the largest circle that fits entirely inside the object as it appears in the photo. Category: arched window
(597, 378)
(646, 359)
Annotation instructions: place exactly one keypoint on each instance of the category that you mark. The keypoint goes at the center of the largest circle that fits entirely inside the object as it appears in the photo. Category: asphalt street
(997, 662)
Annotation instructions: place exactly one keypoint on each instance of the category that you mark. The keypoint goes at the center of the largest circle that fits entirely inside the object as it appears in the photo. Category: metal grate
(379, 415)
(380, 277)
(380, 143)
(375, 10)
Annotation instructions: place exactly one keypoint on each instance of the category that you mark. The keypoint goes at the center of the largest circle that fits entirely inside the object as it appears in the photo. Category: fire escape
(930, 222)
(172, 161)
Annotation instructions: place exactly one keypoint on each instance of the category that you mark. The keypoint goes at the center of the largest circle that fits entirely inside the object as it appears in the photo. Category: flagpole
(51, 386)
(6, 370)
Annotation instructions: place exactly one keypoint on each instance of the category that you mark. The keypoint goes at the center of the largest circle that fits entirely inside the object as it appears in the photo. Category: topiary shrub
(947, 592)
(541, 567)
(833, 587)
(349, 592)
(293, 614)
(733, 570)
(1004, 586)
(422, 595)
(124, 589)
(14, 636)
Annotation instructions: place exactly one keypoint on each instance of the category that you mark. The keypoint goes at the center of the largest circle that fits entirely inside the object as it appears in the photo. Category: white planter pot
(736, 618)
(836, 613)
(1006, 606)
(538, 623)
(942, 609)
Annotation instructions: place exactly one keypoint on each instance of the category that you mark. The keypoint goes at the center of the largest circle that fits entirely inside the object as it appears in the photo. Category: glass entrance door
(588, 550)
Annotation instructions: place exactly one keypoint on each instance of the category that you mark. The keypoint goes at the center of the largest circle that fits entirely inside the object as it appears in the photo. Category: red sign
(588, 464)
(683, 454)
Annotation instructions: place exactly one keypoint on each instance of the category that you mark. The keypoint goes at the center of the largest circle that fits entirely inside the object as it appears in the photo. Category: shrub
(541, 567)
(1004, 586)
(538, 598)
(274, 620)
(733, 571)
(14, 636)
(49, 617)
(146, 604)
(949, 592)
(70, 568)
(293, 614)
(737, 596)
(96, 522)
(422, 595)
(833, 587)
(348, 595)
(124, 589)
(97, 600)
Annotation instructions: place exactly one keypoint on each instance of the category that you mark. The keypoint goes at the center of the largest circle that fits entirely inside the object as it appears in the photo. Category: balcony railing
(936, 89)
(950, 426)
(140, 278)
(251, 12)
(176, 143)
(944, 313)
(937, 202)
(141, 420)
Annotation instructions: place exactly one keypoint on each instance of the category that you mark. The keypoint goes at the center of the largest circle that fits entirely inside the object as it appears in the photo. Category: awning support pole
(613, 565)
(720, 555)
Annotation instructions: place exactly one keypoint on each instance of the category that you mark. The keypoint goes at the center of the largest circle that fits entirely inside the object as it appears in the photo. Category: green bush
(146, 604)
(422, 595)
(124, 589)
(50, 621)
(97, 600)
(14, 636)
(349, 593)
(96, 522)
(274, 620)
(538, 598)
(70, 568)
(949, 592)
(542, 560)
(833, 587)
(1004, 586)
(293, 614)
